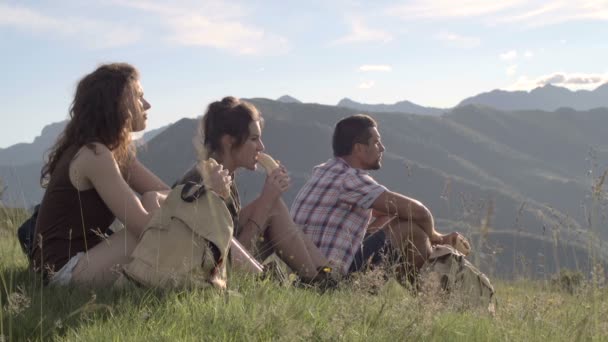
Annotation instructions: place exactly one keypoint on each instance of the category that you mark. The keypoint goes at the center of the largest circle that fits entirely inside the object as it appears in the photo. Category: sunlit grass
(365, 309)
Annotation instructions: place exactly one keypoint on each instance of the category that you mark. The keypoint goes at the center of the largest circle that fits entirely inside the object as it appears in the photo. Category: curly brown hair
(100, 113)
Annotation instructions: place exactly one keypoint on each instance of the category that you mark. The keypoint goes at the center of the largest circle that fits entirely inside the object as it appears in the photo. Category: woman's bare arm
(142, 180)
(99, 169)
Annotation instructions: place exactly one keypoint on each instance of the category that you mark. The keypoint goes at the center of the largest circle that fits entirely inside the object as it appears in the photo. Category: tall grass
(567, 307)
(365, 308)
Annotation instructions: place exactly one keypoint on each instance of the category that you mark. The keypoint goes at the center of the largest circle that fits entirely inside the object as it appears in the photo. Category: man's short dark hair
(350, 131)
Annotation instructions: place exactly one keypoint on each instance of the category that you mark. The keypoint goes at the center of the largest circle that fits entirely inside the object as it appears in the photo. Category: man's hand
(453, 239)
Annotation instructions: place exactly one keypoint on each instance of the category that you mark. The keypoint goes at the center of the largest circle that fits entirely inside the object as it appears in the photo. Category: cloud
(441, 9)
(455, 40)
(361, 33)
(573, 81)
(509, 55)
(90, 32)
(367, 84)
(528, 54)
(213, 24)
(557, 12)
(520, 13)
(511, 70)
(375, 67)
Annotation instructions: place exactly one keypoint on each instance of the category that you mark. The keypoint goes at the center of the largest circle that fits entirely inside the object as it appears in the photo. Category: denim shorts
(375, 250)
(64, 275)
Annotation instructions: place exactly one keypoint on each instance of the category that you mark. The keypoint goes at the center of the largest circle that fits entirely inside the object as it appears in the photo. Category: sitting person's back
(69, 221)
(332, 207)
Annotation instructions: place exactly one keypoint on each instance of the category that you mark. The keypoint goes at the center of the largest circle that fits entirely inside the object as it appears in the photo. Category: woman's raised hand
(219, 180)
(277, 182)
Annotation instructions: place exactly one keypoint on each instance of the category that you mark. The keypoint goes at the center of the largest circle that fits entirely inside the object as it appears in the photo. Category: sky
(434, 53)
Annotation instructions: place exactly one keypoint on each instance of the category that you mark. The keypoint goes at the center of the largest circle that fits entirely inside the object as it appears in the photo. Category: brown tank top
(69, 221)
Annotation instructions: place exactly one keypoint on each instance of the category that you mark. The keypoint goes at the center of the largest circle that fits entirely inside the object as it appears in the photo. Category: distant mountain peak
(288, 99)
(548, 97)
(398, 107)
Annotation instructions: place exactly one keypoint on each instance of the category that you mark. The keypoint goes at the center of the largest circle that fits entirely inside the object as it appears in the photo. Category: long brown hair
(101, 112)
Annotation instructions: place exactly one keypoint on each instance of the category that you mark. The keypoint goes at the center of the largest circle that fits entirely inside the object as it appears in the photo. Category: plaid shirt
(334, 209)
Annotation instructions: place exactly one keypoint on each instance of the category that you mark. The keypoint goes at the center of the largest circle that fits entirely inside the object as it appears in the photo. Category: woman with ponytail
(231, 133)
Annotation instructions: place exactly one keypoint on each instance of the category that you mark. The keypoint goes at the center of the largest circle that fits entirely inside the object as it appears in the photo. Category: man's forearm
(408, 209)
(422, 216)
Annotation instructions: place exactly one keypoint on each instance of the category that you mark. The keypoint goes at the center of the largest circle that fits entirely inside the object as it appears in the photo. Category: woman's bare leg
(285, 238)
(97, 266)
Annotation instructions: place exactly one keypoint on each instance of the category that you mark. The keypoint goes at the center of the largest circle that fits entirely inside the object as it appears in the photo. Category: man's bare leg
(411, 241)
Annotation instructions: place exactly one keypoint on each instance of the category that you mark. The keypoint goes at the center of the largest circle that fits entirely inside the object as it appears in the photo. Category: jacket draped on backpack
(186, 242)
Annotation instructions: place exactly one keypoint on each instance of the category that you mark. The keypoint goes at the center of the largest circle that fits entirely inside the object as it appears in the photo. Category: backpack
(26, 232)
(458, 279)
(185, 243)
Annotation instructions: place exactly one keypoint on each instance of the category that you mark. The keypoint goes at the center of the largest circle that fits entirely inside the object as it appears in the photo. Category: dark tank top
(69, 221)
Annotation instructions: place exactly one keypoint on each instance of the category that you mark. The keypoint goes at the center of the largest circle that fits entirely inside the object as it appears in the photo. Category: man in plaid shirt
(336, 205)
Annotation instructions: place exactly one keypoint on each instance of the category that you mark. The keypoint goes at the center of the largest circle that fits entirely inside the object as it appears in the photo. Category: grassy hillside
(566, 308)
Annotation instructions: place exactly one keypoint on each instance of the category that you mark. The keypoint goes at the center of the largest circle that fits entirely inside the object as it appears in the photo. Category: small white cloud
(528, 54)
(367, 84)
(573, 81)
(361, 33)
(90, 32)
(509, 55)
(563, 41)
(375, 67)
(511, 70)
(456, 40)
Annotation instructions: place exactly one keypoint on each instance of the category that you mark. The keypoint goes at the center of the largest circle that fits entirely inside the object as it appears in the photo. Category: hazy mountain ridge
(547, 98)
(25, 153)
(398, 107)
(288, 99)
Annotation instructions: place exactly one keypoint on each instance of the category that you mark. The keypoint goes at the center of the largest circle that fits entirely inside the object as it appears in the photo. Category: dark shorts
(375, 250)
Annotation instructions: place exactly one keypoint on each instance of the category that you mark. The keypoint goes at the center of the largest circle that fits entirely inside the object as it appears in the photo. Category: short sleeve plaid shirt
(334, 208)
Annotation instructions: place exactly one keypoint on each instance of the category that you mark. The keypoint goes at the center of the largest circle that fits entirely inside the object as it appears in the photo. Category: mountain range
(547, 98)
(24, 153)
(399, 107)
